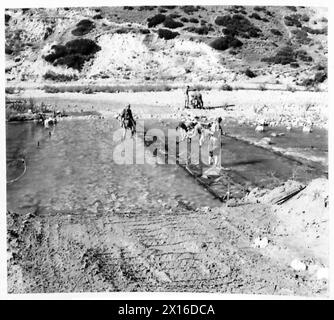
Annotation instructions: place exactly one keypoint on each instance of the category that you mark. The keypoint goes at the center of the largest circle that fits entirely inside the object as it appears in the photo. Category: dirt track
(171, 249)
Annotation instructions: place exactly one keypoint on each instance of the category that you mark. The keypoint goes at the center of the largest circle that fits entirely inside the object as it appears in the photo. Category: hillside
(207, 45)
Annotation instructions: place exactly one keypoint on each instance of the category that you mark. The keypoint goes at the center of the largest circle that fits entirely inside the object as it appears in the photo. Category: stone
(298, 265)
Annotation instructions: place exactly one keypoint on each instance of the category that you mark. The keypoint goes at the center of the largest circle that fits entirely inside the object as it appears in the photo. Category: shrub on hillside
(83, 27)
(305, 18)
(293, 20)
(172, 24)
(184, 19)
(303, 56)
(224, 43)
(128, 8)
(226, 87)
(7, 18)
(238, 25)
(73, 54)
(250, 74)
(284, 56)
(146, 8)
(8, 50)
(50, 75)
(174, 15)
(203, 30)
(155, 20)
(259, 8)
(292, 8)
(193, 20)
(190, 9)
(167, 34)
(97, 17)
(315, 31)
(276, 32)
(144, 31)
(256, 16)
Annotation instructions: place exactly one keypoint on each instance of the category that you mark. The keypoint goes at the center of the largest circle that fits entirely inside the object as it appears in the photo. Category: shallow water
(74, 170)
(71, 168)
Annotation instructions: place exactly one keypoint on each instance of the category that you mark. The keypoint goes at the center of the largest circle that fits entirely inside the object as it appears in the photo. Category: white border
(153, 295)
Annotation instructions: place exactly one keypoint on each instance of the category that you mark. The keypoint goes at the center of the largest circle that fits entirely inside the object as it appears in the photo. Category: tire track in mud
(183, 250)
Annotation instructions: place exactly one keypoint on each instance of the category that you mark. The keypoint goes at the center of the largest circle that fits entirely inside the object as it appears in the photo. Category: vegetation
(73, 54)
(301, 36)
(108, 88)
(315, 31)
(83, 27)
(276, 32)
(50, 75)
(224, 43)
(284, 56)
(255, 16)
(167, 34)
(293, 20)
(250, 74)
(226, 87)
(155, 20)
(238, 25)
(172, 24)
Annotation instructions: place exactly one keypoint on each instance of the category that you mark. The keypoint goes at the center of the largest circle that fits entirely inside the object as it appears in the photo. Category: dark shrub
(74, 61)
(169, 7)
(193, 20)
(283, 56)
(146, 8)
(292, 8)
(47, 33)
(259, 8)
(226, 87)
(97, 17)
(8, 50)
(73, 54)
(293, 20)
(203, 22)
(315, 31)
(303, 56)
(204, 30)
(224, 43)
(255, 16)
(174, 15)
(128, 8)
(167, 34)
(305, 18)
(250, 74)
(172, 24)
(155, 20)
(294, 65)
(83, 27)
(184, 19)
(144, 31)
(276, 32)
(58, 51)
(238, 25)
(189, 9)
(50, 75)
(320, 77)
(82, 46)
(162, 10)
(7, 18)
